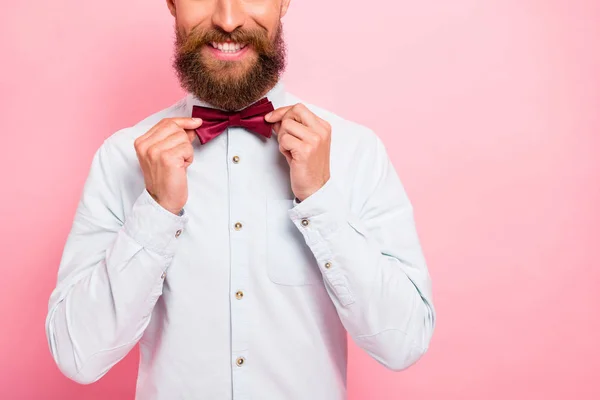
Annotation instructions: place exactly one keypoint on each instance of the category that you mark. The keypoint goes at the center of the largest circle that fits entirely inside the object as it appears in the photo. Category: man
(238, 247)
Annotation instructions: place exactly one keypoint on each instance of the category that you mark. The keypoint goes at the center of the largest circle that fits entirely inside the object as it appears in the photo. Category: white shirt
(248, 294)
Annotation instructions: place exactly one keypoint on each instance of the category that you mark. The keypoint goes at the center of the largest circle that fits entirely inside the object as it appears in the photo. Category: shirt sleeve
(371, 261)
(110, 275)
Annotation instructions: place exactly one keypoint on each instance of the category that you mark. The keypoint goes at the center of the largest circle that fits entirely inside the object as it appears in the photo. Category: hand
(305, 141)
(164, 153)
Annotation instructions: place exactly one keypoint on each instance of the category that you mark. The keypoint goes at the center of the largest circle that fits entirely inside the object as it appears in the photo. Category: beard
(229, 85)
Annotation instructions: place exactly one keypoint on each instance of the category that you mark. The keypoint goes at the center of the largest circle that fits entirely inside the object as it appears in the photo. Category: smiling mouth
(228, 47)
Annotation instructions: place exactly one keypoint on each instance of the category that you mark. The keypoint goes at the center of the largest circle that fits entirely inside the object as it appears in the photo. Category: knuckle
(153, 152)
(181, 135)
(285, 124)
(171, 124)
(164, 157)
(164, 124)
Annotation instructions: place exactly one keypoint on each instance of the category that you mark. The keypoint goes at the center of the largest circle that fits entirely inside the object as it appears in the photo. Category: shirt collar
(276, 95)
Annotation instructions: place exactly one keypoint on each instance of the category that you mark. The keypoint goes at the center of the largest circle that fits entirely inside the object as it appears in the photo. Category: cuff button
(305, 222)
(327, 265)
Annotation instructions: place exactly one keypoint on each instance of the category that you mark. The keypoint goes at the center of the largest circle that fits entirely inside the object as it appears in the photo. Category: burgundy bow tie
(215, 121)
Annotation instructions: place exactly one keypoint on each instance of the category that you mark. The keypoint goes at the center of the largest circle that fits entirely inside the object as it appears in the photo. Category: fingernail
(268, 115)
(196, 120)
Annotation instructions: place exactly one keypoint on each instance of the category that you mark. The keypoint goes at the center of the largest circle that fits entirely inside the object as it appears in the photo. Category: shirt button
(305, 222)
(240, 361)
(236, 159)
(327, 265)
(238, 226)
(164, 274)
(178, 233)
(239, 294)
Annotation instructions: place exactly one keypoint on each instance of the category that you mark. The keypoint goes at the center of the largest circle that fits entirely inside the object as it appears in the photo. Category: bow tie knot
(235, 120)
(215, 121)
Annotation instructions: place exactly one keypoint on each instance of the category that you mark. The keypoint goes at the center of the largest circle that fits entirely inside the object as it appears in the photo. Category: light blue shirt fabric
(259, 311)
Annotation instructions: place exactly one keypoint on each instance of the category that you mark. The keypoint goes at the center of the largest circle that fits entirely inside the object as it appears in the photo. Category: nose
(229, 15)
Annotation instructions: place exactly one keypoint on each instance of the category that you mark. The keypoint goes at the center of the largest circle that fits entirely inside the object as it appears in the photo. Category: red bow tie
(215, 121)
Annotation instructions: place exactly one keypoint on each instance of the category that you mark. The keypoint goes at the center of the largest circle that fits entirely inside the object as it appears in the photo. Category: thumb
(188, 123)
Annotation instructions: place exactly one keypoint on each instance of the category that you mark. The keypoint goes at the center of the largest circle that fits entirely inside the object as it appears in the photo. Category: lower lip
(238, 55)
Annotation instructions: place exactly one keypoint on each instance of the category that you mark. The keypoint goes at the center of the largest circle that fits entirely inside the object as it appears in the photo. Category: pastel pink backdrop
(489, 110)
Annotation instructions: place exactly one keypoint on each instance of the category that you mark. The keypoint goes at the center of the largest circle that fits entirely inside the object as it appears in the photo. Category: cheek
(192, 13)
(264, 13)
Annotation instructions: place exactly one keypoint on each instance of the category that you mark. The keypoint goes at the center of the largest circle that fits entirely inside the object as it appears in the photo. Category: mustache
(258, 38)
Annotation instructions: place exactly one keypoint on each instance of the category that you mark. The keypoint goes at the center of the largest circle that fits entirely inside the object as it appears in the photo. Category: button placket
(241, 230)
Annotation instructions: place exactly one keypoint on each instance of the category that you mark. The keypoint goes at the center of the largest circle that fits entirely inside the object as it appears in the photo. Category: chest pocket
(289, 259)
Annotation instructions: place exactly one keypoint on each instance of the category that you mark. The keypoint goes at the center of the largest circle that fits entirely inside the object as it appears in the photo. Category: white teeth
(228, 47)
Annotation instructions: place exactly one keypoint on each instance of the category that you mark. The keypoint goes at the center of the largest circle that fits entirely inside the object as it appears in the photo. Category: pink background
(489, 110)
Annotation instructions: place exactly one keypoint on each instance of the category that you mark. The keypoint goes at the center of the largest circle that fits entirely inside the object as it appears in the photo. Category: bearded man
(239, 234)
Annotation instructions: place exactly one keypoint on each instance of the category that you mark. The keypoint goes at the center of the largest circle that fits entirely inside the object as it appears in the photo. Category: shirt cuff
(153, 226)
(324, 211)
(319, 217)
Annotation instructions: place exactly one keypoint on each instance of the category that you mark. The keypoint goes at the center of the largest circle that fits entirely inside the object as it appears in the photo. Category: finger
(296, 129)
(165, 130)
(298, 112)
(183, 151)
(277, 114)
(290, 142)
(167, 127)
(181, 122)
(302, 114)
(157, 149)
(324, 124)
(187, 123)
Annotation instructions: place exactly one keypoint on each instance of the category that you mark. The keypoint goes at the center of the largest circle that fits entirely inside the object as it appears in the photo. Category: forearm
(381, 290)
(99, 311)
(380, 307)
